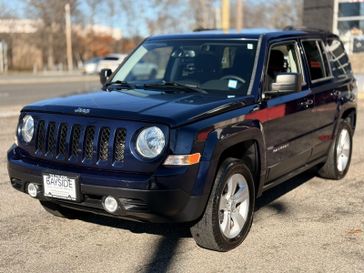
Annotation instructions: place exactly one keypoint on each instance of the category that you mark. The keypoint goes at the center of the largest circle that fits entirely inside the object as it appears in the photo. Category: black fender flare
(224, 138)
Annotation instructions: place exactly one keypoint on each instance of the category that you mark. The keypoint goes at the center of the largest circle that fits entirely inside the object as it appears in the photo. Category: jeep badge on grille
(82, 110)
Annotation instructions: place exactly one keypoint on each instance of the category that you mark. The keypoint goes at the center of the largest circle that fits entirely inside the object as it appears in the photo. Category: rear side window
(316, 59)
(339, 60)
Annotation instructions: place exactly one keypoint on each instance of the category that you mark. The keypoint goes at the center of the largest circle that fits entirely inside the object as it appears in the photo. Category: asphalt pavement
(306, 224)
(21, 91)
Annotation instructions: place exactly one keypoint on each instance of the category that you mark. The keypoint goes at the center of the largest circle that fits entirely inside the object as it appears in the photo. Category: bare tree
(51, 34)
(203, 13)
(273, 14)
(92, 5)
(286, 13)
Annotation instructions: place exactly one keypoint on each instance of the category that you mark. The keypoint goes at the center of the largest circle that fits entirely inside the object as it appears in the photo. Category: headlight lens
(150, 142)
(27, 128)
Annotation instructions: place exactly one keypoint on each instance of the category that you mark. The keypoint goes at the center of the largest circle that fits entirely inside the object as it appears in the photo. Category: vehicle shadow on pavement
(180, 230)
(269, 196)
(164, 251)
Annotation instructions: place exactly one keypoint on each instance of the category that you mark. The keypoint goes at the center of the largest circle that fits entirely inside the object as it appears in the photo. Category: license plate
(60, 186)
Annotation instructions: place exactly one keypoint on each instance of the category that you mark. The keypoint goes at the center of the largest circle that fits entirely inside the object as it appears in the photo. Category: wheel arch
(247, 145)
(350, 115)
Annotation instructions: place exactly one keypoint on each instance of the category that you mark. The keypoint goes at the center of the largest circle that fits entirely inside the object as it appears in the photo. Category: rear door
(326, 94)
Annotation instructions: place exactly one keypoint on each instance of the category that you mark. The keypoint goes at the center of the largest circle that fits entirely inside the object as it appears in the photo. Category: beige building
(21, 54)
(343, 17)
(20, 36)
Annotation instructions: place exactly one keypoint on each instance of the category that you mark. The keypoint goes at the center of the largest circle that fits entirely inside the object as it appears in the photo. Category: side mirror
(104, 75)
(287, 82)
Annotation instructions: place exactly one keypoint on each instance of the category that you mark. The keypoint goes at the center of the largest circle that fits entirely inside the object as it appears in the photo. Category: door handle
(306, 103)
(335, 93)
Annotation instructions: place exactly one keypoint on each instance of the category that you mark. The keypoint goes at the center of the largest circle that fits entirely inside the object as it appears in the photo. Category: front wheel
(229, 213)
(339, 157)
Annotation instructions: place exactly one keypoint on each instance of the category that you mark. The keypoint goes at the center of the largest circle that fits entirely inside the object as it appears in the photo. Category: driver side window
(282, 59)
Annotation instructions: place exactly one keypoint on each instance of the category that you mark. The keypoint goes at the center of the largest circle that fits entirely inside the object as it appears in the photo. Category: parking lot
(306, 224)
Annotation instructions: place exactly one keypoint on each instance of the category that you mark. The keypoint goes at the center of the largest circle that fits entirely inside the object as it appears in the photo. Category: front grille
(62, 140)
(41, 137)
(51, 148)
(119, 147)
(82, 143)
(89, 142)
(76, 133)
(104, 144)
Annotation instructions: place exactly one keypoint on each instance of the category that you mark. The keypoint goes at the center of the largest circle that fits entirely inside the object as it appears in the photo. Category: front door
(288, 118)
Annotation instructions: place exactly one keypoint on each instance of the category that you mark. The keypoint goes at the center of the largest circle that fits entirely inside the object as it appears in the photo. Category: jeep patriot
(193, 128)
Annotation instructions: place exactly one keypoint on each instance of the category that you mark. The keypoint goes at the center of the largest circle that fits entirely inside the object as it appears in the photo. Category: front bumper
(154, 204)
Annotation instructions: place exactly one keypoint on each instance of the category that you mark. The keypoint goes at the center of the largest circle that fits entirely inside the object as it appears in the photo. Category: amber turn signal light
(183, 160)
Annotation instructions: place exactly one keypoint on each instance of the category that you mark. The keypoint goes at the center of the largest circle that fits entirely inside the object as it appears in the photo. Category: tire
(216, 230)
(57, 210)
(338, 161)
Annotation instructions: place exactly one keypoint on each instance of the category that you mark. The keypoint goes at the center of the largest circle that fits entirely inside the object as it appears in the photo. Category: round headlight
(150, 142)
(27, 128)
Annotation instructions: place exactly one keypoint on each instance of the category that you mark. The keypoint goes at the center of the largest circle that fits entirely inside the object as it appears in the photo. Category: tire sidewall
(343, 125)
(221, 180)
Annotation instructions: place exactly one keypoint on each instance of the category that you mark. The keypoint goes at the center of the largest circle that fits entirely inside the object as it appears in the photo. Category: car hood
(172, 109)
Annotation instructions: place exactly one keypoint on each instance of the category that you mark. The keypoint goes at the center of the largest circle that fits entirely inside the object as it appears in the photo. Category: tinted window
(324, 58)
(217, 66)
(339, 60)
(152, 66)
(314, 59)
(282, 59)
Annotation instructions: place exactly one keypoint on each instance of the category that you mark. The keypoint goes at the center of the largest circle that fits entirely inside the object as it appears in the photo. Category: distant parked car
(90, 66)
(143, 71)
(111, 61)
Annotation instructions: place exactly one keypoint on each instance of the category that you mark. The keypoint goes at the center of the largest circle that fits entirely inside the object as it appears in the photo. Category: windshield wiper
(118, 85)
(175, 85)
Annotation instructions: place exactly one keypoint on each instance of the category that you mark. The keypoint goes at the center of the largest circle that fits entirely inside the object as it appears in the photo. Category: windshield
(219, 67)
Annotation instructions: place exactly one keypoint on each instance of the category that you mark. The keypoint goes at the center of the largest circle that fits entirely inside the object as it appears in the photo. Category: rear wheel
(229, 213)
(57, 210)
(339, 157)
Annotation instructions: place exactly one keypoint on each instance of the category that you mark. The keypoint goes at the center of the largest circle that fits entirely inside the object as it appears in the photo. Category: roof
(252, 33)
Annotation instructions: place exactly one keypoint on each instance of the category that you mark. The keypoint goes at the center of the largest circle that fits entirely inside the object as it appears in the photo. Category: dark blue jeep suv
(193, 128)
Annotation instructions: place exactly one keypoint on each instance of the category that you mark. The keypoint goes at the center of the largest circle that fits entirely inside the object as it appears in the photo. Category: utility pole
(239, 14)
(69, 36)
(204, 13)
(218, 12)
(225, 15)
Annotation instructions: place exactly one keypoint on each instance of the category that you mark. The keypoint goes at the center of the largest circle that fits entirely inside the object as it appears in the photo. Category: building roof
(24, 26)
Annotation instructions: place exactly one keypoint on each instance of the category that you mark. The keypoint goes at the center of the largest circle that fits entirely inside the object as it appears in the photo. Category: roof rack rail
(204, 29)
(303, 28)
